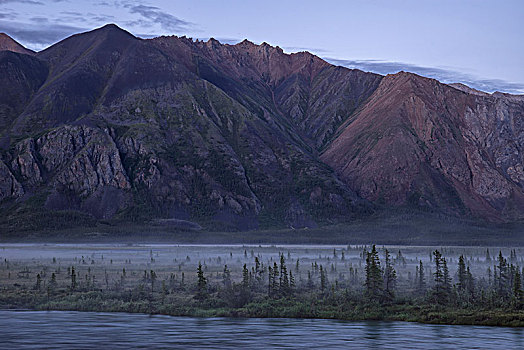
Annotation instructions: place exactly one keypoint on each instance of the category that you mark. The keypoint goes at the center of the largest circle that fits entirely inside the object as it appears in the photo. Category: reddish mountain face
(9, 44)
(417, 140)
(104, 125)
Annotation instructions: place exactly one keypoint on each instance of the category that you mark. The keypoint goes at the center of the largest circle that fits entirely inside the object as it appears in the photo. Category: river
(94, 330)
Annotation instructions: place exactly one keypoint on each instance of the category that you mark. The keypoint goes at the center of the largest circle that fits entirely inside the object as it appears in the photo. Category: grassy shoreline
(311, 307)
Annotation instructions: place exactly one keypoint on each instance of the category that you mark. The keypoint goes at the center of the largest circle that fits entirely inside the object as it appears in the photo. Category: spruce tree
(245, 277)
(390, 278)
(226, 277)
(518, 294)
(275, 280)
(323, 281)
(447, 278)
(38, 284)
(258, 272)
(201, 283)
(284, 279)
(52, 283)
(470, 285)
(462, 275)
(374, 281)
(270, 282)
(153, 280)
(73, 278)
(309, 280)
(421, 284)
(502, 276)
(442, 286)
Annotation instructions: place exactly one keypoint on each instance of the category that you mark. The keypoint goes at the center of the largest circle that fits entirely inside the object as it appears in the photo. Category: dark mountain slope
(79, 69)
(22, 75)
(107, 127)
(137, 133)
(307, 95)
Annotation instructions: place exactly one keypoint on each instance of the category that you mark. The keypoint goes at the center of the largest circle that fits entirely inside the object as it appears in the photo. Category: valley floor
(266, 281)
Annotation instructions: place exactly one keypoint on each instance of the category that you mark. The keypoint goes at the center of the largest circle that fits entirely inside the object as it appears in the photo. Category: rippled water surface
(92, 330)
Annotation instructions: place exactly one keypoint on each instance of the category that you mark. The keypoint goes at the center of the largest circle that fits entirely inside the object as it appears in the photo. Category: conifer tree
(153, 280)
(447, 277)
(374, 280)
(275, 280)
(390, 278)
(284, 279)
(226, 277)
(309, 280)
(73, 278)
(470, 284)
(502, 276)
(201, 283)
(421, 284)
(323, 281)
(442, 286)
(38, 284)
(518, 294)
(462, 274)
(52, 283)
(258, 272)
(270, 282)
(245, 277)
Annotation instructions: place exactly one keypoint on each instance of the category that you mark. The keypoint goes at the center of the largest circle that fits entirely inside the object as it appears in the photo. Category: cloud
(153, 15)
(230, 41)
(93, 18)
(8, 15)
(441, 74)
(29, 2)
(101, 18)
(308, 49)
(38, 35)
(40, 19)
(72, 13)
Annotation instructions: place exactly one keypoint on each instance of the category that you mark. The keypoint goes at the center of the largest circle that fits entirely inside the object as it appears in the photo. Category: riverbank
(310, 306)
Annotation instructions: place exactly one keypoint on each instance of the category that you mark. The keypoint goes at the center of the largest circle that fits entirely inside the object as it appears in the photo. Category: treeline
(285, 287)
(502, 287)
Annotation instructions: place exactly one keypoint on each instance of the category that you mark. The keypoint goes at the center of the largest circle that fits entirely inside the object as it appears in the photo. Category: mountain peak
(111, 28)
(246, 42)
(9, 44)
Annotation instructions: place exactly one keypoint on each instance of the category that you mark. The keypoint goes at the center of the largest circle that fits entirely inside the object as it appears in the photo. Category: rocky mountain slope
(8, 44)
(104, 126)
(420, 141)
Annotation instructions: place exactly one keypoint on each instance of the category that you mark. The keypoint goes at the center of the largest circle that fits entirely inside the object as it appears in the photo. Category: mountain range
(107, 127)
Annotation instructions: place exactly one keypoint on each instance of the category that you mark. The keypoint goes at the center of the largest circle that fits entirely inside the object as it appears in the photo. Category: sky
(475, 42)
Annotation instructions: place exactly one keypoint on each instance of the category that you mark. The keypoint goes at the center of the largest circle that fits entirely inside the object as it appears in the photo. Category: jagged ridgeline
(107, 127)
